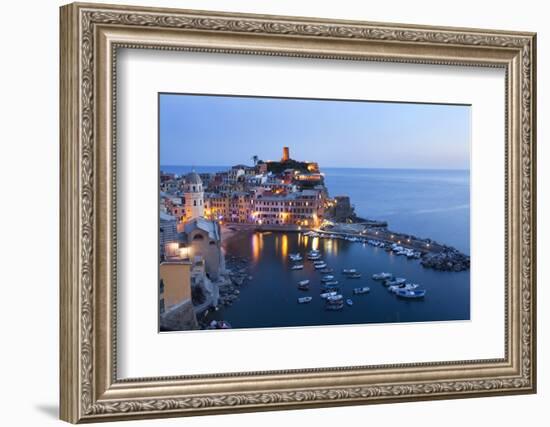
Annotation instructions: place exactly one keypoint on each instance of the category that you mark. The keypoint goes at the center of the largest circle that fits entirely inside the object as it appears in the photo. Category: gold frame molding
(90, 37)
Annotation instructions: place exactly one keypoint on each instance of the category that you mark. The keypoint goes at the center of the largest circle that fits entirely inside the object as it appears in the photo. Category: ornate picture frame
(90, 37)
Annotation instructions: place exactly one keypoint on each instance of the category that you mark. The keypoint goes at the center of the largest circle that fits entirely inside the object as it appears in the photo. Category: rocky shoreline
(449, 259)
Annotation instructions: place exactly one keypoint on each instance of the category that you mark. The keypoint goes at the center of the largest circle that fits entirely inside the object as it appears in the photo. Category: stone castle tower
(286, 154)
(194, 196)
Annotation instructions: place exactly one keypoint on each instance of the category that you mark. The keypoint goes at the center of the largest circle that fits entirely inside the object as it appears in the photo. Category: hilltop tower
(286, 154)
(194, 196)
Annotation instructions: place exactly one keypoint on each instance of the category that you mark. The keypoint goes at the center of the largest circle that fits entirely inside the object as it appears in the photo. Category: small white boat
(354, 276)
(382, 276)
(395, 282)
(303, 285)
(328, 294)
(327, 278)
(417, 293)
(304, 300)
(297, 267)
(320, 266)
(405, 287)
(335, 298)
(331, 283)
(318, 262)
(363, 290)
(349, 271)
(349, 302)
(314, 257)
(296, 257)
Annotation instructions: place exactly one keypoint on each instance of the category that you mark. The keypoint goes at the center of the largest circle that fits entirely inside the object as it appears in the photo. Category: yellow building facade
(176, 277)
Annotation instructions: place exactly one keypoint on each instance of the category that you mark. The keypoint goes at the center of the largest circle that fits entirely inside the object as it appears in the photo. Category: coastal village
(198, 209)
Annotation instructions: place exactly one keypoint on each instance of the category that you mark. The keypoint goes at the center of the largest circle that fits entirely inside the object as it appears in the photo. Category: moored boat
(327, 294)
(414, 294)
(354, 276)
(327, 270)
(297, 267)
(404, 287)
(349, 302)
(395, 282)
(304, 300)
(331, 283)
(349, 271)
(303, 285)
(335, 298)
(363, 290)
(327, 278)
(320, 266)
(382, 276)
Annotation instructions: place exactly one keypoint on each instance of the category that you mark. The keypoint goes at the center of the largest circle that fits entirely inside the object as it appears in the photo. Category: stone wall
(179, 318)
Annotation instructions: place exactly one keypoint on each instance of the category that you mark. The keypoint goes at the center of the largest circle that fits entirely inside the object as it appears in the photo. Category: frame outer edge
(69, 391)
(533, 254)
(78, 340)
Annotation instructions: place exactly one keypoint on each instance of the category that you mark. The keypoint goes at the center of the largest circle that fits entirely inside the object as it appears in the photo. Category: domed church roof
(193, 178)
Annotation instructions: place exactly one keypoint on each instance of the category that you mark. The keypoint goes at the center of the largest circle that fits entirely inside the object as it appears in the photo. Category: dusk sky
(222, 131)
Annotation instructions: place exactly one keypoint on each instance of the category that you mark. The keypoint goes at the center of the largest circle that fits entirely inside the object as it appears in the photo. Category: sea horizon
(322, 167)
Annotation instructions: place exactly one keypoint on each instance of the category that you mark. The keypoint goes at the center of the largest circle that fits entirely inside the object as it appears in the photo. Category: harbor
(268, 286)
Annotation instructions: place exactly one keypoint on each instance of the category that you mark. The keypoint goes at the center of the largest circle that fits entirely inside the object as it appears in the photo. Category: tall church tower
(194, 196)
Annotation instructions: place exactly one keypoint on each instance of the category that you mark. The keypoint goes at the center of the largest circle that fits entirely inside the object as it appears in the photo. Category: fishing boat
(328, 294)
(303, 285)
(219, 324)
(331, 283)
(382, 276)
(326, 270)
(295, 257)
(349, 302)
(318, 262)
(354, 276)
(395, 282)
(327, 278)
(297, 267)
(320, 266)
(414, 294)
(334, 298)
(304, 300)
(314, 257)
(363, 290)
(405, 287)
(349, 271)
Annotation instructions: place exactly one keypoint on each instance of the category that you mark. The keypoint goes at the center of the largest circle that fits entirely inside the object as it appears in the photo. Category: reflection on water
(284, 246)
(315, 244)
(257, 246)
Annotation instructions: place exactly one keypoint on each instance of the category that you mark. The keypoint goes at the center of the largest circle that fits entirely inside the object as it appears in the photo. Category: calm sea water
(270, 298)
(425, 203)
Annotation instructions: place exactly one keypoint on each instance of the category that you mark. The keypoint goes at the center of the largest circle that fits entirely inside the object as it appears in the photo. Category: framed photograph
(266, 212)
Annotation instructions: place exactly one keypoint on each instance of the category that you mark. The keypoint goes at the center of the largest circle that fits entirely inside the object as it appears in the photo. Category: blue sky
(220, 130)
